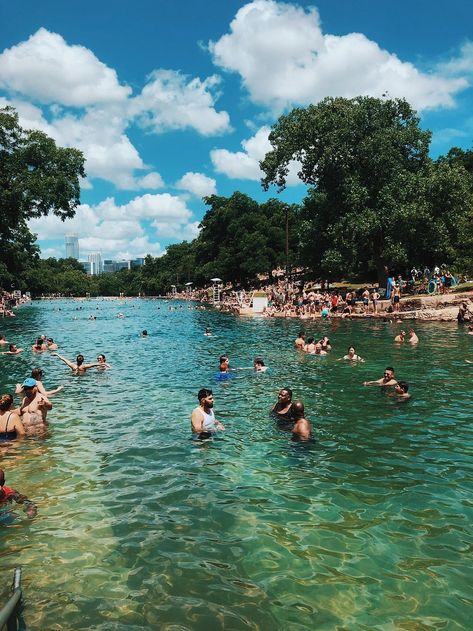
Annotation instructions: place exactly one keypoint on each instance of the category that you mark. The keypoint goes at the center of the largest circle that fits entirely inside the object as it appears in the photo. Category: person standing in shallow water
(302, 427)
(282, 410)
(203, 422)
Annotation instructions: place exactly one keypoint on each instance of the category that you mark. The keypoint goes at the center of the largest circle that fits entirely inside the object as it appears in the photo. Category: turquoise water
(139, 527)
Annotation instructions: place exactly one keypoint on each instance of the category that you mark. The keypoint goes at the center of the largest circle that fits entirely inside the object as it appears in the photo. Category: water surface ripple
(139, 527)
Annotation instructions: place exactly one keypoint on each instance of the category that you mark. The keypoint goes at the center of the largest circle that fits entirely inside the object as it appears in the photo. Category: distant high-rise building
(96, 260)
(72, 246)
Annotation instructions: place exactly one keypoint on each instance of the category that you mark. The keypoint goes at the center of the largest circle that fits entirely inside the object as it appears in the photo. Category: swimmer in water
(38, 346)
(351, 355)
(3, 341)
(37, 375)
(34, 407)
(282, 410)
(401, 337)
(413, 339)
(79, 367)
(259, 365)
(388, 379)
(302, 427)
(10, 423)
(51, 344)
(299, 342)
(402, 390)
(203, 421)
(8, 495)
(102, 362)
(13, 350)
(208, 332)
(469, 332)
(144, 333)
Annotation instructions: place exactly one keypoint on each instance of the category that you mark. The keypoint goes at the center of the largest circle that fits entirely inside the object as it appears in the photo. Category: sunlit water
(139, 527)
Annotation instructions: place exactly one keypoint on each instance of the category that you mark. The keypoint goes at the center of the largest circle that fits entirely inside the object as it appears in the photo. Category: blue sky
(171, 101)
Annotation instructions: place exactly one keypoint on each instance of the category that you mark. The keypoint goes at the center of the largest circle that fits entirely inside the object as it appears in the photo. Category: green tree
(367, 159)
(36, 178)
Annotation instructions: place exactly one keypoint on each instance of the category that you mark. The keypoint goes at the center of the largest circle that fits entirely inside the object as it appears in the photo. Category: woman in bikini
(10, 423)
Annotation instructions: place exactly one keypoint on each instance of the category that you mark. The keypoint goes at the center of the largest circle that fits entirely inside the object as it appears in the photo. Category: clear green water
(139, 527)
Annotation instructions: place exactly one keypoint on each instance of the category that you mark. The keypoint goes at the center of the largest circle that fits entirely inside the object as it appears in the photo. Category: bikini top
(8, 435)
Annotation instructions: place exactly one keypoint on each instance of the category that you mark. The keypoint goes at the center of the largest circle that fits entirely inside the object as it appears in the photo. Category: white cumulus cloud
(285, 59)
(46, 68)
(244, 165)
(171, 100)
(198, 184)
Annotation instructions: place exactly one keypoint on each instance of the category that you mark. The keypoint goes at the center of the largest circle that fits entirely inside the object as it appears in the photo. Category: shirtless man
(13, 350)
(38, 346)
(413, 339)
(79, 367)
(318, 350)
(302, 427)
(34, 407)
(203, 421)
(51, 344)
(282, 410)
(401, 390)
(299, 342)
(388, 379)
(310, 346)
(3, 341)
(401, 337)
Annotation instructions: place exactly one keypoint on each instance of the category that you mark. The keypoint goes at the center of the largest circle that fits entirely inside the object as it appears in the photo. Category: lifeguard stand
(216, 290)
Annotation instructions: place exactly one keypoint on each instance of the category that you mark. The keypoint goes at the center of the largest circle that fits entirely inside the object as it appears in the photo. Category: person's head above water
(37, 373)
(297, 410)
(101, 358)
(285, 394)
(258, 362)
(6, 401)
(351, 350)
(144, 333)
(205, 397)
(80, 359)
(403, 387)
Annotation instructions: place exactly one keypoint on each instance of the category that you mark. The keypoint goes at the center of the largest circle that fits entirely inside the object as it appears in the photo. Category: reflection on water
(140, 527)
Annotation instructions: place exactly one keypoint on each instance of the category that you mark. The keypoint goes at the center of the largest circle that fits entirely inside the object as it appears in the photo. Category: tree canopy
(378, 201)
(36, 178)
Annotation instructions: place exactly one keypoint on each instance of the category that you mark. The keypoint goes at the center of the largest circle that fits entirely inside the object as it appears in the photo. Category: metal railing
(9, 613)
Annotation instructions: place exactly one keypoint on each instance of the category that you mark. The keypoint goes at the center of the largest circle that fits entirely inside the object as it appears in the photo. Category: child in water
(8, 495)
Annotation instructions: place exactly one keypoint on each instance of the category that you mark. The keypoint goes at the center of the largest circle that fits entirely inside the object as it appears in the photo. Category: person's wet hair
(404, 386)
(258, 361)
(101, 356)
(37, 373)
(80, 359)
(389, 368)
(203, 393)
(288, 390)
(6, 401)
(352, 347)
(310, 340)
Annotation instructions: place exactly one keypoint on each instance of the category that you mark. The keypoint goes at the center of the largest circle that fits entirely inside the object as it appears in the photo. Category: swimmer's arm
(30, 507)
(197, 421)
(87, 366)
(378, 382)
(66, 361)
(49, 393)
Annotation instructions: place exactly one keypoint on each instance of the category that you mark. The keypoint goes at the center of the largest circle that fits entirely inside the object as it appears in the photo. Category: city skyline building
(72, 246)
(95, 259)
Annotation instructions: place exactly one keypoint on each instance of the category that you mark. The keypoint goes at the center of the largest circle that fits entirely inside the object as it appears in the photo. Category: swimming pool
(139, 527)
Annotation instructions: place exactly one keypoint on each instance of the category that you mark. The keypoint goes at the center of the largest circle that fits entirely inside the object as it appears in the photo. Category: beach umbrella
(216, 280)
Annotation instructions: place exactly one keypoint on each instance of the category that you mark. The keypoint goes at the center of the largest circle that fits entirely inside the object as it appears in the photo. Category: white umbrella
(216, 280)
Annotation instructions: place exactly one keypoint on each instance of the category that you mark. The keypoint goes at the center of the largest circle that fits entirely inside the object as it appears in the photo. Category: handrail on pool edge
(9, 613)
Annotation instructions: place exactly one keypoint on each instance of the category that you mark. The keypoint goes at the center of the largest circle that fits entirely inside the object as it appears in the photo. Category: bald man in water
(302, 427)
